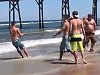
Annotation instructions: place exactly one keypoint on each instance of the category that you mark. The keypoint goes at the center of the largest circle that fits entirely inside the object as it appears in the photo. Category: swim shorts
(65, 43)
(76, 42)
(90, 36)
(17, 43)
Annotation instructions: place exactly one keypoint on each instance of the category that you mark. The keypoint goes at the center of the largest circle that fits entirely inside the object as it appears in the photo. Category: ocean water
(34, 36)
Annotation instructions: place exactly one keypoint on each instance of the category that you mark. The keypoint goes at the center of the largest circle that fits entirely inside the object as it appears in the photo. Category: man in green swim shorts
(76, 27)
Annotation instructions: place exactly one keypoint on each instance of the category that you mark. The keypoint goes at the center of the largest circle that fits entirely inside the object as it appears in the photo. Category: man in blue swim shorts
(15, 34)
(65, 39)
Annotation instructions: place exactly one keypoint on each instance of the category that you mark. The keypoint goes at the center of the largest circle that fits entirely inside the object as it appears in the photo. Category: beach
(48, 64)
(44, 53)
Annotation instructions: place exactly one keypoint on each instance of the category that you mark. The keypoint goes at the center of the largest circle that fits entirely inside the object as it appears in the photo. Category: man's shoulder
(66, 23)
(76, 20)
(93, 20)
(79, 20)
(17, 28)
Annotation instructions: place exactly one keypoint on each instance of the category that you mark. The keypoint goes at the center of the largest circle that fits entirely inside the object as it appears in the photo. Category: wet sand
(49, 64)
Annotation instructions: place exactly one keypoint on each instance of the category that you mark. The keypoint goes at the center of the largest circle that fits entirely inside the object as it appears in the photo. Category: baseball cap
(75, 14)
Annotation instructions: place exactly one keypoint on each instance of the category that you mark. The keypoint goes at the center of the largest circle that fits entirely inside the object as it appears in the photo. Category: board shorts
(65, 43)
(90, 36)
(76, 42)
(17, 43)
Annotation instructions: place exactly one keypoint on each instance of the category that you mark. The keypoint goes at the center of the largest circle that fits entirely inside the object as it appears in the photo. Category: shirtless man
(76, 28)
(65, 41)
(15, 34)
(90, 27)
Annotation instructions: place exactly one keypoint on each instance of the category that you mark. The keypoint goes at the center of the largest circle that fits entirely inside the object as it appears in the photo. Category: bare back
(76, 26)
(15, 33)
(66, 27)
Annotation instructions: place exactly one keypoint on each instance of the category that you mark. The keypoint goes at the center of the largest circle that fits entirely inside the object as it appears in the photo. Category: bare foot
(60, 59)
(22, 56)
(91, 50)
(78, 58)
(29, 56)
(84, 61)
(76, 63)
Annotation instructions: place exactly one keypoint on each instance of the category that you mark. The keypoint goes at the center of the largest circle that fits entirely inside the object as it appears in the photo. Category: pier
(14, 5)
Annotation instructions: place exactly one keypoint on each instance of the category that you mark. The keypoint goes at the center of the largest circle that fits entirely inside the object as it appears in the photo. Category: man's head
(90, 16)
(13, 23)
(66, 17)
(75, 14)
(84, 18)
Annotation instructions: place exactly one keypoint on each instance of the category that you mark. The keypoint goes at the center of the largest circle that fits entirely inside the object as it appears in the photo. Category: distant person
(15, 36)
(76, 29)
(65, 39)
(90, 27)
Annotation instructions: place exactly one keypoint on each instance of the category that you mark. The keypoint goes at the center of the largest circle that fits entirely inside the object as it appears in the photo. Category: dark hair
(90, 15)
(13, 23)
(66, 16)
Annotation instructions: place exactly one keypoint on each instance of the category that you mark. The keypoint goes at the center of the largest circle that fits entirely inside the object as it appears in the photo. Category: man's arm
(70, 28)
(83, 31)
(19, 32)
(95, 26)
(60, 31)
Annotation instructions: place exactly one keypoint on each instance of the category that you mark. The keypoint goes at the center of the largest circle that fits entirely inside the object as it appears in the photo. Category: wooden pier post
(40, 4)
(14, 5)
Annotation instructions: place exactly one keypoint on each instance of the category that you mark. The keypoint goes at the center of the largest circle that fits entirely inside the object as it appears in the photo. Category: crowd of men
(73, 28)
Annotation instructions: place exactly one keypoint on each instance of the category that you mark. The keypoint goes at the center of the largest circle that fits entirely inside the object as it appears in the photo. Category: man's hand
(84, 38)
(69, 38)
(54, 35)
(23, 34)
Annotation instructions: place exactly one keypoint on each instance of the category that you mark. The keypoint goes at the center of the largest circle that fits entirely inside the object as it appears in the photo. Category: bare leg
(92, 45)
(93, 41)
(20, 53)
(85, 43)
(71, 52)
(75, 57)
(82, 54)
(61, 54)
(26, 53)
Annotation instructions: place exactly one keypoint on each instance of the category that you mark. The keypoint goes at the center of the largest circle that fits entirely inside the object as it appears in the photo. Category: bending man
(15, 34)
